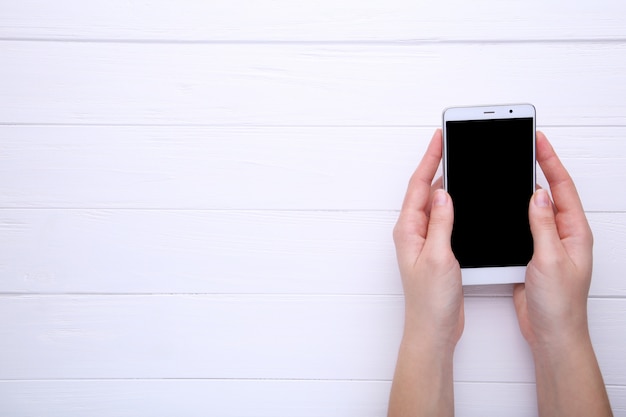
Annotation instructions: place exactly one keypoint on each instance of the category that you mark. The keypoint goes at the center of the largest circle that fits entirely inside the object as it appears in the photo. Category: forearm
(422, 384)
(569, 382)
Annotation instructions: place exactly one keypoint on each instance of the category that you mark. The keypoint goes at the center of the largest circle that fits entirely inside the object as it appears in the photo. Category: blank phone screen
(490, 177)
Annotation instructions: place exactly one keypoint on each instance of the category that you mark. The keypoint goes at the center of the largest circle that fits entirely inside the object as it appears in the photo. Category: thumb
(546, 238)
(441, 220)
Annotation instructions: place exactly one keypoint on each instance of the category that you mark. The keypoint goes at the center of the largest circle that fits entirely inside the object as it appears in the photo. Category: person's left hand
(431, 275)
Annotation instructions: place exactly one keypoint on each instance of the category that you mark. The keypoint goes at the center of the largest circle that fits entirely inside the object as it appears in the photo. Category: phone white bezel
(490, 275)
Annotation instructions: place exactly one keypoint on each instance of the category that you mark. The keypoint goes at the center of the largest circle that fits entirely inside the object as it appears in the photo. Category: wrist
(429, 340)
(432, 358)
(562, 351)
(558, 342)
(441, 332)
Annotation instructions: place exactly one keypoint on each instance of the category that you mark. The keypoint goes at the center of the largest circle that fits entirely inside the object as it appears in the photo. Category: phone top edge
(489, 112)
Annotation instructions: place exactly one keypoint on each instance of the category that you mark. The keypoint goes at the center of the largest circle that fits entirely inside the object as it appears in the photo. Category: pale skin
(551, 306)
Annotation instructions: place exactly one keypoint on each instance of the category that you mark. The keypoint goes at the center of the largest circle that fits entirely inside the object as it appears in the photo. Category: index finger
(418, 192)
(566, 199)
(561, 183)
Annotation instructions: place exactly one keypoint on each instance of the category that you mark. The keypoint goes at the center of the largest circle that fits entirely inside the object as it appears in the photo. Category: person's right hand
(552, 305)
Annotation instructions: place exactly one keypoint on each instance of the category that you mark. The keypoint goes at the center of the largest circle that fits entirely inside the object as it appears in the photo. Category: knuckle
(437, 219)
(438, 258)
(545, 222)
(400, 232)
(550, 261)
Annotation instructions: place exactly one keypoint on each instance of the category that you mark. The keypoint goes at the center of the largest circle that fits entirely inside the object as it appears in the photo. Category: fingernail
(541, 198)
(440, 198)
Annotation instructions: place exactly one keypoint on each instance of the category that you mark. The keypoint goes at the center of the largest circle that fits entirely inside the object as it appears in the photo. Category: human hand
(552, 305)
(431, 275)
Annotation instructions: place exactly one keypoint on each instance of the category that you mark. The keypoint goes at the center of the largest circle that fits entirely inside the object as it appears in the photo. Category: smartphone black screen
(490, 177)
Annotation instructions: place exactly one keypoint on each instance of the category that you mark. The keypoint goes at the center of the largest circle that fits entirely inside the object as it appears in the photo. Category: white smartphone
(489, 171)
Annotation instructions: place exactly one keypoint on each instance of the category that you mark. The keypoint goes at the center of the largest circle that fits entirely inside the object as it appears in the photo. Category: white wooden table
(197, 197)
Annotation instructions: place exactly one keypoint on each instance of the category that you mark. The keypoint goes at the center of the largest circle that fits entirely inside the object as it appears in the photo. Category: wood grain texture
(324, 20)
(278, 84)
(233, 398)
(276, 337)
(196, 167)
(231, 252)
(240, 398)
(253, 398)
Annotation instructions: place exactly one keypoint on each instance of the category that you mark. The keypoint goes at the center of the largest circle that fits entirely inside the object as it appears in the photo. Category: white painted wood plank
(231, 252)
(278, 84)
(287, 20)
(226, 398)
(243, 337)
(196, 167)
(244, 398)
(197, 252)
(254, 398)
